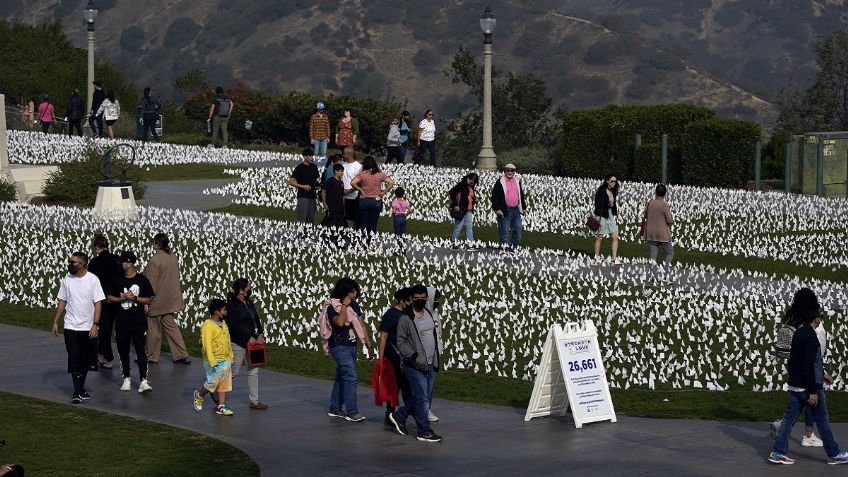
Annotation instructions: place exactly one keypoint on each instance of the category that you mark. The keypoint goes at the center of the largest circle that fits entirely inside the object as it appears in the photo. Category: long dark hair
(161, 241)
(606, 181)
(462, 185)
(804, 308)
(100, 240)
(110, 96)
(370, 164)
(344, 286)
(238, 285)
(400, 121)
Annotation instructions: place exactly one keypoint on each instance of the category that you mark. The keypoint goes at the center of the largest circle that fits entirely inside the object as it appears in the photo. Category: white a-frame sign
(572, 373)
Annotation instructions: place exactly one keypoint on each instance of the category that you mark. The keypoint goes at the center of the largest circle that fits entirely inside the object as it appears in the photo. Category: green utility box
(806, 164)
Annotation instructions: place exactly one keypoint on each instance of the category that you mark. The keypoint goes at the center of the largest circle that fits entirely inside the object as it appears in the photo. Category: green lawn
(574, 243)
(50, 439)
(181, 172)
(480, 388)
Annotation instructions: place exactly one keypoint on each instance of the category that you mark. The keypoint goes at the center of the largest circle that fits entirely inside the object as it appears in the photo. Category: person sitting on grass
(218, 354)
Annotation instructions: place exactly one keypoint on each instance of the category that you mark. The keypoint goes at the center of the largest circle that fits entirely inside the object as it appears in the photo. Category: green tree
(823, 106)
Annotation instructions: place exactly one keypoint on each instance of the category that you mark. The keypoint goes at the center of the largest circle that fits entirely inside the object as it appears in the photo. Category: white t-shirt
(351, 169)
(80, 293)
(428, 130)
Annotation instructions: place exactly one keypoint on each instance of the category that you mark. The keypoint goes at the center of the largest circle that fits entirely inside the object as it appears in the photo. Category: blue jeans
(510, 220)
(419, 154)
(466, 222)
(369, 213)
(344, 387)
(798, 401)
(421, 384)
(319, 147)
(400, 224)
(404, 148)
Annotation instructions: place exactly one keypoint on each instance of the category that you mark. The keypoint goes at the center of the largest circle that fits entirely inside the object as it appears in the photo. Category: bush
(719, 152)
(596, 142)
(8, 191)
(530, 160)
(187, 139)
(76, 182)
(647, 164)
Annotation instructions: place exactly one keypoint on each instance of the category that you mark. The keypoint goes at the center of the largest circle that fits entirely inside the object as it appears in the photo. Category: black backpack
(223, 106)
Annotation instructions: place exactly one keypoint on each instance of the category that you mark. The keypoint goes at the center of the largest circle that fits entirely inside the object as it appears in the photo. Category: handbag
(456, 214)
(593, 223)
(257, 356)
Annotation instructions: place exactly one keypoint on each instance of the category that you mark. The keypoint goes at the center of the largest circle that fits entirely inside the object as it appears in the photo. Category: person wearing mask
(106, 267)
(163, 271)
(75, 113)
(110, 111)
(131, 292)
(95, 117)
(79, 301)
(245, 328)
(606, 211)
(509, 205)
(658, 222)
(217, 360)
(387, 347)
(45, 114)
(462, 197)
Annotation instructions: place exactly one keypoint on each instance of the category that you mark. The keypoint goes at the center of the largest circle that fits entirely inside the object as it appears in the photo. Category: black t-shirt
(105, 265)
(334, 193)
(389, 325)
(342, 335)
(140, 286)
(306, 175)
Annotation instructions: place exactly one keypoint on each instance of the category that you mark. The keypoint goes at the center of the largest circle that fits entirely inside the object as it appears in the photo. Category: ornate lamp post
(89, 15)
(486, 160)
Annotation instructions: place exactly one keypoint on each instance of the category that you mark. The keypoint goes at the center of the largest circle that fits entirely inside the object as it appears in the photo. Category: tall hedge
(719, 152)
(595, 142)
(647, 164)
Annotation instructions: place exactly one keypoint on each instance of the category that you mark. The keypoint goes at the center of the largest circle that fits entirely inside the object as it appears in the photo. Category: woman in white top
(426, 139)
(111, 110)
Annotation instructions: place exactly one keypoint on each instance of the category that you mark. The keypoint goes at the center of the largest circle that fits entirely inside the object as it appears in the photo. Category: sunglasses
(509, 170)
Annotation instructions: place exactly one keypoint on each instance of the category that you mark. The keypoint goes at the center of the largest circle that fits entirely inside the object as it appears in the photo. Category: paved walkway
(295, 436)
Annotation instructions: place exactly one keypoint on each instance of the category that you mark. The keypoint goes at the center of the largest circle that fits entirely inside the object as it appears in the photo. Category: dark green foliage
(530, 160)
(76, 182)
(647, 164)
(719, 152)
(8, 192)
(596, 142)
(181, 32)
(774, 155)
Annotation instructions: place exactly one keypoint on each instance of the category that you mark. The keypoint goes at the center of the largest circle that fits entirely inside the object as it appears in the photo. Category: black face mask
(419, 304)
(72, 269)
(248, 293)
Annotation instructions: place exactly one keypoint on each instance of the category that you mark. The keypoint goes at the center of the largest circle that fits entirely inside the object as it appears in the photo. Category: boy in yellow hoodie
(217, 358)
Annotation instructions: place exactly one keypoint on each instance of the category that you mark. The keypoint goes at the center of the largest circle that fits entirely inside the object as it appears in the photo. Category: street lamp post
(89, 15)
(487, 160)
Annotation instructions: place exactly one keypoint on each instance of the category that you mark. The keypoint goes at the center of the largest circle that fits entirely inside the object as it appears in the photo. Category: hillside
(731, 56)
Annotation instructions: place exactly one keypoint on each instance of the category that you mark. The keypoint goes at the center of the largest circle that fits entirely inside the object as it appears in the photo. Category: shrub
(647, 164)
(187, 139)
(531, 160)
(76, 182)
(719, 152)
(8, 191)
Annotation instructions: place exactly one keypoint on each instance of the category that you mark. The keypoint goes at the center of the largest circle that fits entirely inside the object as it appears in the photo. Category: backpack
(222, 106)
(783, 340)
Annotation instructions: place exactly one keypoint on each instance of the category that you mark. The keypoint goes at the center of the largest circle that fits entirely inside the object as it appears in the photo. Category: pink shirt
(45, 112)
(512, 192)
(371, 184)
(400, 206)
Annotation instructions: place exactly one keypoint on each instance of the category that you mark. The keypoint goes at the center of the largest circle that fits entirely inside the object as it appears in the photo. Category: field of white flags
(803, 230)
(713, 330)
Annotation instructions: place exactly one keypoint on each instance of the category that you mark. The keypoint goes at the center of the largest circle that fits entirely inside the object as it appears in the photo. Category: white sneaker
(127, 384)
(811, 441)
(432, 417)
(144, 386)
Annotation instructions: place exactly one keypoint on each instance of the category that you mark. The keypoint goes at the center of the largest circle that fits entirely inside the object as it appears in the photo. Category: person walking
(79, 302)
(806, 384)
(95, 117)
(426, 139)
(393, 143)
(404, 125)
(606, 211)
(45, 114)
(319, 130)
(462, 197)
(149, 114)
(658, 223)
(110, 111)
(508, 202)
(106, 267)
(352, 167)
(131, 292)
(417, 345)
(347, 130)
(341, 325)
(400, 209)
(369, 183)
(163, 271)
(75, 113)
(304, 178)
(387, 346)
(219, 115)
(217, 359)
(245, 328)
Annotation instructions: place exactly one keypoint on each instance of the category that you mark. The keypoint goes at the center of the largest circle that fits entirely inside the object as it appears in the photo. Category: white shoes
(144, 386)
(432, 417)
(811, 441)
(127, 384)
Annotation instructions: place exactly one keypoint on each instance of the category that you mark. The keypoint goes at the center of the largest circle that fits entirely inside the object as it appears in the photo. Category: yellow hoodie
(215, 338)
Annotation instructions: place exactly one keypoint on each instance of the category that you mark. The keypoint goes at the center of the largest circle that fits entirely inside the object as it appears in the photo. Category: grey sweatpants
(668, 249)
(306, 210)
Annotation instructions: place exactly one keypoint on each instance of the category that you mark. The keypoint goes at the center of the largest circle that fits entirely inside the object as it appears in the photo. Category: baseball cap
(127, 256)
(320, 105)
